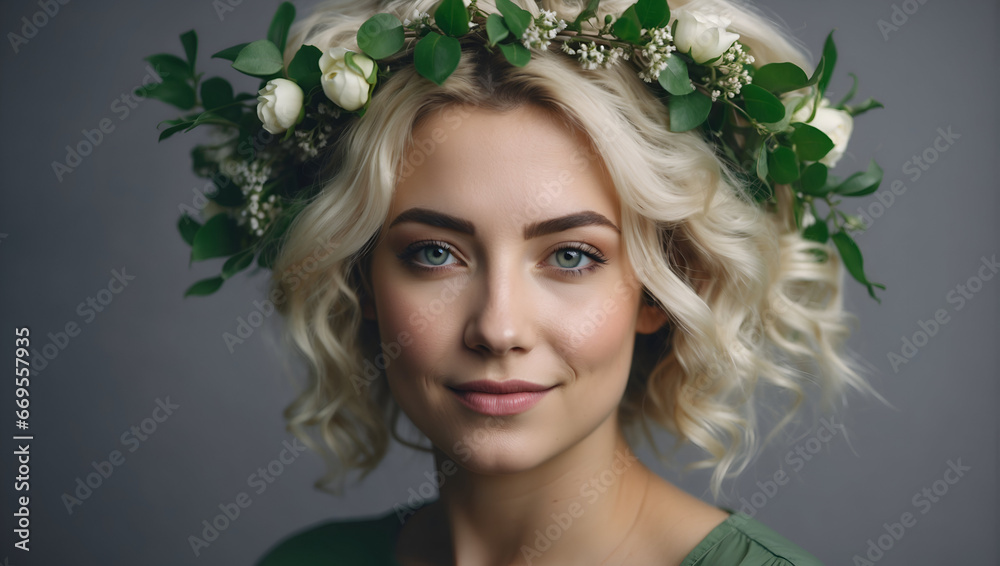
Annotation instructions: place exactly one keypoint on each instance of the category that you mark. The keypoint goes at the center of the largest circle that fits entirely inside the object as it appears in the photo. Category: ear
(651, 316)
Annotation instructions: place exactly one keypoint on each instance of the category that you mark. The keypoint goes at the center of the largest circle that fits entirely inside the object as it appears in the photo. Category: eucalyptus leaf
(851, 255)
(817, 232)
(189, 40)
(204, 287)
(780, 77)
(516, 18)
(277, 32)
(628, 26)
(176, 92)
(452, 17)
(861, 183)
(674, 78)
(237, 263)
(688, 111)
(829, 62)
(496, 29)
(516, 53)
(761, 166)
(188, 227)
(652, 13)
(381, 35)
(783, 166)
(230, 53)
(437, 56)
(218, 237)
(262, 58)
(814, 180)
(304, 68)
(811, 144)
(761, 105)
(170, 66)
(216, 92)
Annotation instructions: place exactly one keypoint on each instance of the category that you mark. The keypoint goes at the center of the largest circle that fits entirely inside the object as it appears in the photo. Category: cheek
(600, 335)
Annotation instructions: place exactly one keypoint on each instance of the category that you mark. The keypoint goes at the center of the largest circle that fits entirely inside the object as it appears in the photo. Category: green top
(740, 540)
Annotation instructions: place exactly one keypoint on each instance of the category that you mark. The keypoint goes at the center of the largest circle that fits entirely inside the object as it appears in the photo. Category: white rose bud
(279, 104)
(836, 124)
(704, 35)
(343, 85)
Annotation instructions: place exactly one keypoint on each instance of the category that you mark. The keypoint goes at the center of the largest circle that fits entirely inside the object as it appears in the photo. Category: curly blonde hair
(746, 297)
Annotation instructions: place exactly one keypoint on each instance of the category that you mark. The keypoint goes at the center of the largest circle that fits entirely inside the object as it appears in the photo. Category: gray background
(119, 207)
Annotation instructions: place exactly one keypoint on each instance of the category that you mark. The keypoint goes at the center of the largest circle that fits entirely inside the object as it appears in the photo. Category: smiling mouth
(500, 398)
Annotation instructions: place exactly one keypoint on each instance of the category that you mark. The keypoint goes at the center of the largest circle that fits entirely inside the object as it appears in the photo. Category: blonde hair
(746, 298)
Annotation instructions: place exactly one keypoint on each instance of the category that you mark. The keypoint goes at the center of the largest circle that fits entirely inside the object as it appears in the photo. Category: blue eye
(432, 256)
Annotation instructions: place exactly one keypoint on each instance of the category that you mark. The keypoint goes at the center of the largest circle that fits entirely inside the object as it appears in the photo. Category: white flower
(343, 85)
(279, 104)
(704, 35)
(836, 124)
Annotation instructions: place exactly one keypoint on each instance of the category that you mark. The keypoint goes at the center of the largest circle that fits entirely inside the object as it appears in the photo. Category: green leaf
(436, 56)
(688, 111)
(172, 91)
(627, 26)
(853, 261)
(174, 129)
(516, 18)
(516, 53)
(304, 68)
(861, 183)
(188, 227)
(277, 32)
(204, 287)
(811, 144)
(452, 17)
(589, 12)
(780, 77)
(674, 78)
(791, 104)
(817, 232)
(762, 163)
(496, 29)
(382, 35)
(237, 263)
(830, 61)
(218, 237)
(783, 166)
(817, 72)
(863, 107)
(172, 66)
(216, 92)
(814, 179)
(761, 105)
(652, 13)
(230, 53)
(189, 40)
(259, 59)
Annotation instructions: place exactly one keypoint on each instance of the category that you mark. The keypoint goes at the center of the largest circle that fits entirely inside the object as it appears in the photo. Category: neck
(570, 509)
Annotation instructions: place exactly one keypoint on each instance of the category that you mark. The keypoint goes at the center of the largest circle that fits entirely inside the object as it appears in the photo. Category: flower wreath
(707, 78)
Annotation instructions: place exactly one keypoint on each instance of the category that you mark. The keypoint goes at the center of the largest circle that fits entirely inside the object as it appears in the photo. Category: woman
(530, 265)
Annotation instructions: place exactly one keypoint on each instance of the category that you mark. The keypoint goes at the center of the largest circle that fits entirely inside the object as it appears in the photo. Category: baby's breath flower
(730, 74)
(656, 53)
(543, 30)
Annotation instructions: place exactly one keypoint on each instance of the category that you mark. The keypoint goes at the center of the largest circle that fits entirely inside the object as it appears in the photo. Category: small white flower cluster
(731, 75)
(592, 56)
(307, 143)
(657, 52)
(543, 30)
(420, 19)
(251, 176)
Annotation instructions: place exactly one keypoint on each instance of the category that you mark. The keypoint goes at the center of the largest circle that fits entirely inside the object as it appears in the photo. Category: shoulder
(360, 541)
(741, 540)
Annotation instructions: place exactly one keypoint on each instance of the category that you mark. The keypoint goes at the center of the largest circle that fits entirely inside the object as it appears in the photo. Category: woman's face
(501, 259)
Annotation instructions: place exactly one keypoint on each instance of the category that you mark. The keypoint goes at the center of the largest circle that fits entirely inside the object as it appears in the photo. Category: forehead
(481, 163)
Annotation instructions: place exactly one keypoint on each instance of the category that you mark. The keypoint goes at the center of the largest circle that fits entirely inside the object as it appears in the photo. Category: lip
(500, 398)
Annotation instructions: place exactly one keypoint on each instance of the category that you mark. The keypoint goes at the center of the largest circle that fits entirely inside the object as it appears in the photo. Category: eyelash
(593, 253)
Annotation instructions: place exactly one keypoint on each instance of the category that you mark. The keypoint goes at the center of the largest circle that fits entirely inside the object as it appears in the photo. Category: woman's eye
(573, 260)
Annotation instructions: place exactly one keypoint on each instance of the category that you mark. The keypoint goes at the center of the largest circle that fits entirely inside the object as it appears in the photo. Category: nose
(501, 320)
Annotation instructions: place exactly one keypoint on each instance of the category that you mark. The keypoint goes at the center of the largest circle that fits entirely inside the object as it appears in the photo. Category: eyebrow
(533, 230)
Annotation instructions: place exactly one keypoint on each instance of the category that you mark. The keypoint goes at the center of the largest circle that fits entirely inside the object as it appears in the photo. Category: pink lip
(499, 398)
